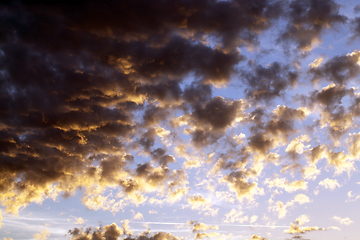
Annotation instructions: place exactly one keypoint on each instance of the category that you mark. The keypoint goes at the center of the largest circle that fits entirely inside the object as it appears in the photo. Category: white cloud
(343, 221)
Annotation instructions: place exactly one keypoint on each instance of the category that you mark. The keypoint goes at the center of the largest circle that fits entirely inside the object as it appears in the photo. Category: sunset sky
(180, 119)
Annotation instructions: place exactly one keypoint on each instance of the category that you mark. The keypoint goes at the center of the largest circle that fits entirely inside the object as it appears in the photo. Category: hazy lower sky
(180, 119)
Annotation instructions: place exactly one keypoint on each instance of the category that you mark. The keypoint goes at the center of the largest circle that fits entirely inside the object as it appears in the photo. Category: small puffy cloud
(43, 235)
(343, 221)
(176, 195)
(295, 229)
(296, 145)
(354, 145)
(253, 218)
(198, 202)
(316, 62)
(329, 183)
(310, 172)
(316, 153)
(352, 197)
(126, 227)
(79, 221)
(192, 163)
(340, 161)
(198, 226)
(287, 186)
(282, 208)
(235, 216)
(256, 237)
(237, 183)
(302, 219)
(301, 199)
(138, 216)
(112, 231)
(206, 235)
(334, 228)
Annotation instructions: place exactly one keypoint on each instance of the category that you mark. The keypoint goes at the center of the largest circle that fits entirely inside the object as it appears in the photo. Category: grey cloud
(266, 83)
(308, 19)
(357, 8)
(339, 69)
(355, 25)
(213, 118)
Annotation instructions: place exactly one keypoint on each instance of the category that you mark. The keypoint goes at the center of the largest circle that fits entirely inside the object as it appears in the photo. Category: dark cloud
(357, 8)
(197, 94)
(156, 236)
(87, 72)
(93, 96)
(330, 97)
(267, 83)
(154, 115)
(113, 232)
(162, 158)
(260, 143)
(268, 133)
(233, 22)
(213, 118)
(355, 25)
(307, 21)
(333, 115)
(219, 113)
(339, 69)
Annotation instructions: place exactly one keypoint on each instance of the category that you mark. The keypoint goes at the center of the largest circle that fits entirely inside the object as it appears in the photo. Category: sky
(180, 119)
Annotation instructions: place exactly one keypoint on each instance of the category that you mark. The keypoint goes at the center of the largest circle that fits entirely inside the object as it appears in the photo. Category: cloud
(79, 221)
(310, 172)
(128, 103)
(282, 208)
(296, 229)
(237, 183)
(209, 122)
(255, 237)
(316, 153)
(334, 228)
(113, 232)
(302, 219)
(267, 83)
(339, 69)
(307, 21)
(198, 226)
(235, 215)
(43, 235)
(198, 202)
(206, 235)
(352, 197)
(345, 221)
(287, 186)
(329, 183)
(355, 25)
(138, 216)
